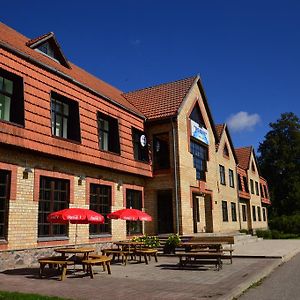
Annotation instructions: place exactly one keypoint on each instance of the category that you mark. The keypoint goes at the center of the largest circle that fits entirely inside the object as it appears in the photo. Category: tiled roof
(219, 129)
(243, 156)
(161, 101)
(39, 38)
(17, 41)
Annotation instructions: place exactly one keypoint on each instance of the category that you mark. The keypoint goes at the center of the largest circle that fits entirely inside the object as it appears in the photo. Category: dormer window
(48, 50)
(48, 46)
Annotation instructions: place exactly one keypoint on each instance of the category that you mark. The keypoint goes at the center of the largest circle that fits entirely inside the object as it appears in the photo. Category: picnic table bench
(53, 261)
(224, 240)
(95, 259)
(204, 258)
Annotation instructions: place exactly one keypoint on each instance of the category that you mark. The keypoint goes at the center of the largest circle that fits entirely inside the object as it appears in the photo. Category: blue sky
(247, 53)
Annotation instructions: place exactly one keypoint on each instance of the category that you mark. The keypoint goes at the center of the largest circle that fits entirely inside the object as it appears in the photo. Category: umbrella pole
(76, 235)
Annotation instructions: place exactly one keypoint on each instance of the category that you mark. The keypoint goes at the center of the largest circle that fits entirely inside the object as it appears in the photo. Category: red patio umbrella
(75, 216)
(130, 214)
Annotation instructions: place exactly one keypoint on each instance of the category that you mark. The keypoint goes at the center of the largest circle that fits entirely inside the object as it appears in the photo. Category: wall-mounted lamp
(26, 171)
(119, 184)
(80, 179)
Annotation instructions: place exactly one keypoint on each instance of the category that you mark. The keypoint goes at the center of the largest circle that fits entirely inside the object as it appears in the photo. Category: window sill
(51, 239)
(3, 242)
(99, 236)
(12, 123)
(110, 152)
(66, 139)
(143, 161)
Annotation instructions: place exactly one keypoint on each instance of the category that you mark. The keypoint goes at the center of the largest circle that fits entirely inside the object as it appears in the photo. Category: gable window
(4, 202)
(225, 151)
(244, 213)
(252, 186)
(11, 98)
(253, 213)
(266, 192)
(134, 200)
(65, 117)
(256, 188)
(47, 49)
(196, 116)
(224, 211)
(253, 167)
(54, 196)
(246, 184)
(100, 202)
(258, 213)
(231, 178)
(108, 128)
(200, 157)
(222, 174)
(140, 145)
(233, 212)
(161, 154)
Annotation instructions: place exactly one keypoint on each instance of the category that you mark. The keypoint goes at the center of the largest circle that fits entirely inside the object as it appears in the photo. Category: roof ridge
(161, 84)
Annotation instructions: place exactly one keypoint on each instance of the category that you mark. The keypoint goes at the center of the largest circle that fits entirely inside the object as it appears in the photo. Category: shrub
(149, 241)
(171, 243)
(286, 224)
(266, 234)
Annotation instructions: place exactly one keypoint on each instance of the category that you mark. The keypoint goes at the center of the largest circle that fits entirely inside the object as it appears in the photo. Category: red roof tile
(161, 101)
(17, 41)
(243, 156)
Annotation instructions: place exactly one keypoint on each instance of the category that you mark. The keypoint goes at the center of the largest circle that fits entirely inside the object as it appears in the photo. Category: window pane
(4, 202)
(5, 107)
(8, 86)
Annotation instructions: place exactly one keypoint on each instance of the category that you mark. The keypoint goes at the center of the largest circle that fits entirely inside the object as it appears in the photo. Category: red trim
(38, 173)
(53, 243)
(90, 180)
(13, 179)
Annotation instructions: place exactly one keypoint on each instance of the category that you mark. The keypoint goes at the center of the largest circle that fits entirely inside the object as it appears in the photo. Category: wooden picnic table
(74, 251)
(205, 246)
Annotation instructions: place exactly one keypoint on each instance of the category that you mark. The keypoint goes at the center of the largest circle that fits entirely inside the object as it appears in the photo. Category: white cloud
(242, 121)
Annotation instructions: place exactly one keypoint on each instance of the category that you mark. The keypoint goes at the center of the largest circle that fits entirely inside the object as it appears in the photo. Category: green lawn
(20, 296)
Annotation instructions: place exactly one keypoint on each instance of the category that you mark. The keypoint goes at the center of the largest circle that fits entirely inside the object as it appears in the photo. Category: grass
(21, 296)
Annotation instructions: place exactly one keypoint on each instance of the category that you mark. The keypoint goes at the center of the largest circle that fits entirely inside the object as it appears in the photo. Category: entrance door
(196, 213)
(164, 212)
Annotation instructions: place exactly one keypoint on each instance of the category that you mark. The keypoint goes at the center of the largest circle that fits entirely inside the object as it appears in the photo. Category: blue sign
(199, 133)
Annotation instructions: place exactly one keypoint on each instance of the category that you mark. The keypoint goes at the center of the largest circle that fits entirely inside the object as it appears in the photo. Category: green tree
(279, 162)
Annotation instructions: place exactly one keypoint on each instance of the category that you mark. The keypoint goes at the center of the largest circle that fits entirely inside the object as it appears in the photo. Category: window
(231, 178)
(225, 151)
(261, 190)
(140, 145)
(196, 116)
(54, 196)
(4, 202)
(246, 184)
(256, 188)
(264, 214)
(253, 167)
(47, 49)
(134, 200)
(224, 211)
(258, 213)
(108, 128)
(244, 213)
(253, 213)
(65, 117)
(252, 186)
(199, 159)
(233, 212)
(11, 98)
(161, 154)
(222, 174)
(240, 182)
(266, 192)
(100, 202)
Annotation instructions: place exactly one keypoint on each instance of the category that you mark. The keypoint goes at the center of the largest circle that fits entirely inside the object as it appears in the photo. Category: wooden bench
(147, 253)
(204, 258)
(224, 240)
(97, 260)
(55, 261)
(117, 253)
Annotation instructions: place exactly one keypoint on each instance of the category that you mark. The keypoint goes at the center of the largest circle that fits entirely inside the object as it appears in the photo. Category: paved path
(282, 284)
(162, 280)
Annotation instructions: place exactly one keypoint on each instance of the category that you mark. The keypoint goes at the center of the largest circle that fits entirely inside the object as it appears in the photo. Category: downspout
(175, 176)
(238, 197)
